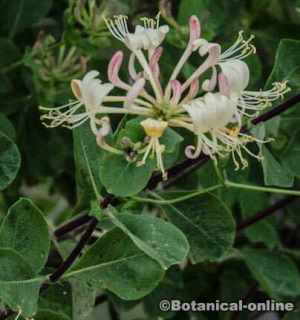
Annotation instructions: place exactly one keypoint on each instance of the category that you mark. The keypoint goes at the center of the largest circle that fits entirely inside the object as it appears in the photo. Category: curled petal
(193, 152)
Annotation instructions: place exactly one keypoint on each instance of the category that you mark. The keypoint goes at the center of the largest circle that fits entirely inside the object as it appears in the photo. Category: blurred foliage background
(44, 44)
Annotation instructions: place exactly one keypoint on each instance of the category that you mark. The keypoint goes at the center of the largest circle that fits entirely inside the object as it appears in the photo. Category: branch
(56, 275)
(277, 110)
(265, 213)
(76, 251)
(71, 225)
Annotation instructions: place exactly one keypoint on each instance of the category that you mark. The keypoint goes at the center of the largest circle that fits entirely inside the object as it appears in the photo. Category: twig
(112, 312)
(100, 299)
(80, 245)
(76, 251)
(265, 213)
(277, 110)
(71, 225)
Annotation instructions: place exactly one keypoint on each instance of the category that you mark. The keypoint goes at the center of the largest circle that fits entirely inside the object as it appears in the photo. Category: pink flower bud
(114, 67)
(195, 29)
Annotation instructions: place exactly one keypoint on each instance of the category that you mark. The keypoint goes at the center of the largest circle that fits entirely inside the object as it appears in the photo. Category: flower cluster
(211, 103)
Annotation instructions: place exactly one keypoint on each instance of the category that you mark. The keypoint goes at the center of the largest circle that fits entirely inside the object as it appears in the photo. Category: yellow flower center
(154, 128)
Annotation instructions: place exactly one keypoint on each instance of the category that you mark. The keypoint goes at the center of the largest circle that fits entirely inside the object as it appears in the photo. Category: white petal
(237, 73)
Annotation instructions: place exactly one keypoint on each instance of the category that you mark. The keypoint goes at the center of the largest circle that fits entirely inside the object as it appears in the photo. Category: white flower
(209, 114)
(216, 124)
(147, 37)
(90, 93)
(238, 76)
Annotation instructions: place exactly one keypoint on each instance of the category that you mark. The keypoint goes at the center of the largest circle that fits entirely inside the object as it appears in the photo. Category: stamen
(244, 47)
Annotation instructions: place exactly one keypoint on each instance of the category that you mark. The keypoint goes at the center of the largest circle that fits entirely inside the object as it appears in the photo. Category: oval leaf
(207, 224)
(123, 178)
(267, 268)
(18, 287)
(10, 161)
(25, 230)
(159, 239)
(114, 262)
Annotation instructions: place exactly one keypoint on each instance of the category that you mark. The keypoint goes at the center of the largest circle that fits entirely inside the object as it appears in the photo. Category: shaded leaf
(10, 161)
(208, 225)
(274, 173)
(25, 230)
(116, 264)
(87, 156)
(19, 290)
(20, 14)
(267, 268)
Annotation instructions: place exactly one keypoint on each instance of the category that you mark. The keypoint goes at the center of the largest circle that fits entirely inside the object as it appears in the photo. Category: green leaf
(276, 273)
(292, 316)
(208, 225)
(9, 53)
(19, 290)
(170, 288)
(274, 173)
(50, 315)
(262, 231)
(286, 67)
(87, 156)
(58, 298)
(291, 156)
(25, 230)
(116, 264)
(287, 64)
(10, 161)
(133, 130)
(20, 14)
(123, 178)
(6, 127)
(160, 240)
(83, 297)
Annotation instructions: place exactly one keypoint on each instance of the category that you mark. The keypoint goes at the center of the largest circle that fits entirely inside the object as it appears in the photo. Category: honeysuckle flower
(215, 118)
(238, 76)
(154, 129)
(209, 114)
(216, 124)
(147, 37)
(90, 93)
